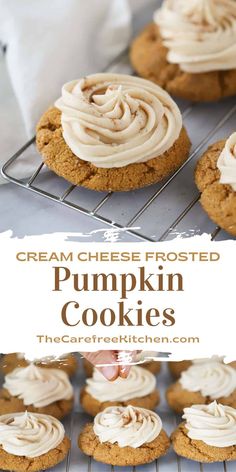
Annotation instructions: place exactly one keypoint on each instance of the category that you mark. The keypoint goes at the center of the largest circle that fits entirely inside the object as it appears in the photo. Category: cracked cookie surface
(93, 406)
(22, 464)
(122, 456)
(218, 200)
(10, 404)
(178, 398)
(198, 450)
(60, 159)
(149, 58)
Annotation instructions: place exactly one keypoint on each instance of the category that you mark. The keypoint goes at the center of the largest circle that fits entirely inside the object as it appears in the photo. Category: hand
(112, 364)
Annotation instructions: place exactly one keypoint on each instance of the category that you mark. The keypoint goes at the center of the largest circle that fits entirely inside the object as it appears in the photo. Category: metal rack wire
(207, 122)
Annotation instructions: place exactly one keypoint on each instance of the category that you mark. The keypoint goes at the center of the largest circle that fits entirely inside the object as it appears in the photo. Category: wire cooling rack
(156, 213)
(76, 461)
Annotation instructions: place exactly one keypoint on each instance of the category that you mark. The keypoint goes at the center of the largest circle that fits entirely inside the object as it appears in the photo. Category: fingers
(112, 364)
(105, 362)
(126, 359)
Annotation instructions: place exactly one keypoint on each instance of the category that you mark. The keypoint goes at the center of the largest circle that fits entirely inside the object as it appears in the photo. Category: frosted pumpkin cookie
(67, 362)
(176, 368)
(215, 177)
(113, 132)
(31, 442)
(201, 384)
(124, 436)
(139, 389)
(208, 433)
(39, 390)
(190, 49)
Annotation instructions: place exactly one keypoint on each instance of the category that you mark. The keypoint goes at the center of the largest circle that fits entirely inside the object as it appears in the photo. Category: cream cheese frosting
(139, 383)
(203, 360)
(127, 426)
(200, 35)
(213, 424)
(30, 435)
(227, 162)
(211, 379)
(38, 386)
(113, 120)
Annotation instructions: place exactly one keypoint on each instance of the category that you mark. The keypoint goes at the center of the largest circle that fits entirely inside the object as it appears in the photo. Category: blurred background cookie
(186, 50)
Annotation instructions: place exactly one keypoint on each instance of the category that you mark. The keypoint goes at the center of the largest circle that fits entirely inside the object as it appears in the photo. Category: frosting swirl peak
(38, 386)
(139, 383)
(212, 379)
(127, 426)
(113, 120)
(199, 34)
(30, 435)
(227, 162)
(213, 424)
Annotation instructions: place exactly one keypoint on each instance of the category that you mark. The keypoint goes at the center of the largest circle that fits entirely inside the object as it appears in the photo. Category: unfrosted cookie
(186, 50)
(208, 434)
(31, 442)
(218, 198)
(201, 384)
(124, 450)
(37, 390)
(138, 390)
(113, 132)
(67, 363)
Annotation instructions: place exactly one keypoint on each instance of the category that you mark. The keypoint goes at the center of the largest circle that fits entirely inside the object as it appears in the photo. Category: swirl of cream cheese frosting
(30, 434)
(139, 383)
(213, 424)
(38, 386)
(200, 35)
(227, 162)
(112, 120)
(127, 426)
(212, 379)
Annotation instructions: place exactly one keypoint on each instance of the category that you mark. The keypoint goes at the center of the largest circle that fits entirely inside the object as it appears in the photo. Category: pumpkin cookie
(37, 390)
(113, 132)
(124, 436)
(176, 368)
(215, 177)
(152, 366)
(186, 50)
(201, 384)
(208, 434)
(68, 363)
(31, 442)
(139, 390)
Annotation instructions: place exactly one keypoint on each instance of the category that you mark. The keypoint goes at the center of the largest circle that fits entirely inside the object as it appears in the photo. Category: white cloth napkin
(51, 42)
